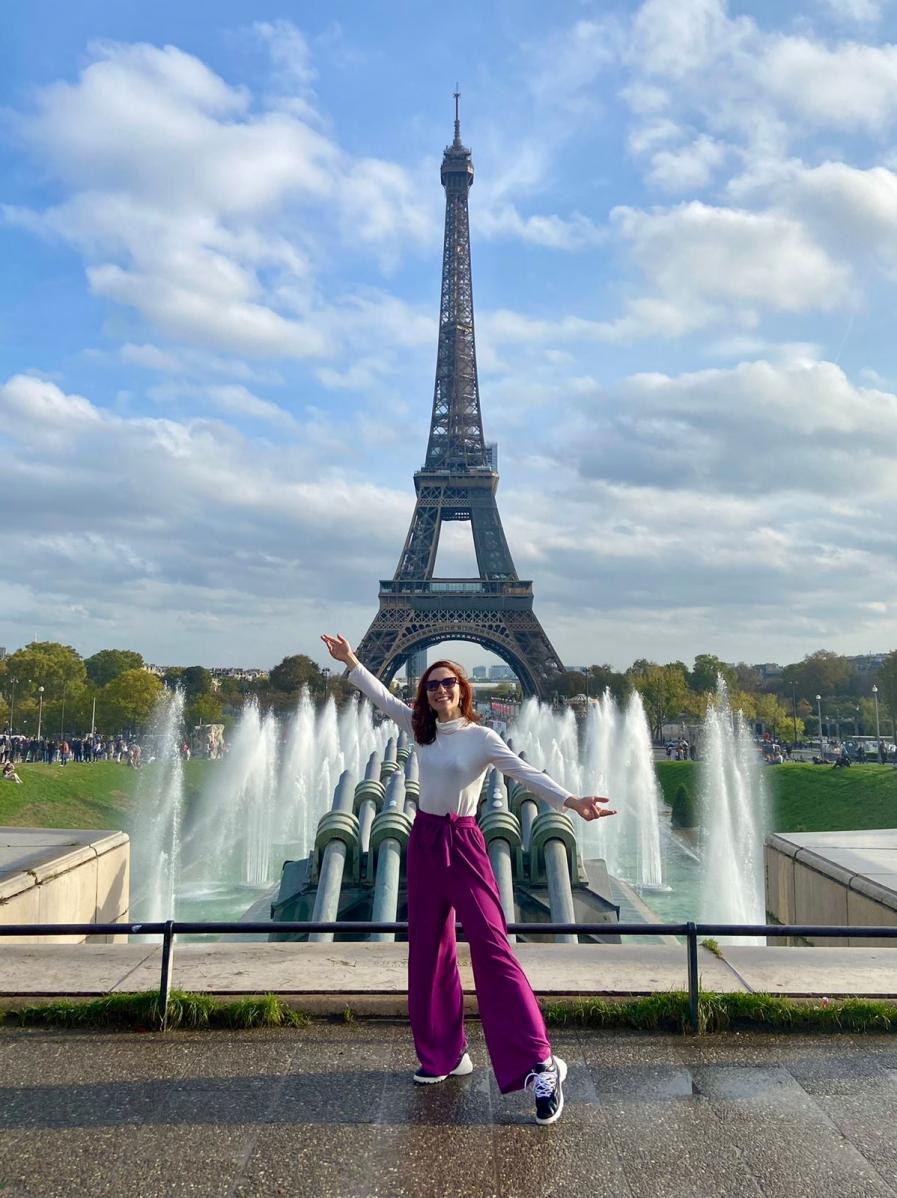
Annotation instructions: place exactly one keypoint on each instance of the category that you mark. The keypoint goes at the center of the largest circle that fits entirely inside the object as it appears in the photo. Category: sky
(221, 237)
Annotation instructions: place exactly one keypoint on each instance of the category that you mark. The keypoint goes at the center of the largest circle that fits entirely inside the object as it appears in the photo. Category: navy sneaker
(465, 1065)
(548, 1088)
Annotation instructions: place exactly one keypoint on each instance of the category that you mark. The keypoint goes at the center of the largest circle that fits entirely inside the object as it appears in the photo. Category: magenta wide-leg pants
(448, 872)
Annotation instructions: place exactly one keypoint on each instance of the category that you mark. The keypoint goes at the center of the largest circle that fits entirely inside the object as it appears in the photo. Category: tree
(295, 672)
(887, 687)
(605, 677)
(109, 663)
(205, 709)
(47, 664)
(196, 681)
(128, 700)
(663, 689)
(707, 669)
(820, 673)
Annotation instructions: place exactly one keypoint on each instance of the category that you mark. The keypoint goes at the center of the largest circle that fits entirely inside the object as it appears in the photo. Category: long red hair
(423, 719)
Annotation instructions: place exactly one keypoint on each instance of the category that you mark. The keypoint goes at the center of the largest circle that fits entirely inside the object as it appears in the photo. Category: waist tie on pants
(449, 872)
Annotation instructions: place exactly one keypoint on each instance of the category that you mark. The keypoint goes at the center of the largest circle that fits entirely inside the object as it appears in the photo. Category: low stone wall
(57, 875)
(847, 878)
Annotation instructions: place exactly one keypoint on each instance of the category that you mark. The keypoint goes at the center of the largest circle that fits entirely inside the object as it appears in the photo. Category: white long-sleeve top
(452, 768)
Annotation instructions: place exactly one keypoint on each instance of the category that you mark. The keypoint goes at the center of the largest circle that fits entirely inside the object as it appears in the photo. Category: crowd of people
(49, 750)
(59, 750)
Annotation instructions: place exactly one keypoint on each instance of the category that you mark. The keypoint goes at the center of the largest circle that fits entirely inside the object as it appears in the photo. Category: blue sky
(222, 242)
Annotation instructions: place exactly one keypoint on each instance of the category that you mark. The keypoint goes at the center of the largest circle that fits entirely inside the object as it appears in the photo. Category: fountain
(159, 801)
(610, 755)
(734, 806)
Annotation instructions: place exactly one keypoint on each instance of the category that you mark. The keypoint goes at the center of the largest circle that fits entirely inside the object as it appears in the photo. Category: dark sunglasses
(435, 684)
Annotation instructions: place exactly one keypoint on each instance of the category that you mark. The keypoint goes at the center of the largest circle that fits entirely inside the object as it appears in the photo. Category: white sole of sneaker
(464, 1066)
(562, 1075)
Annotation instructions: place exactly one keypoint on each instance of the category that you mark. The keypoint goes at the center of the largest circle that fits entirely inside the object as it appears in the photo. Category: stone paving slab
(329, 1110)
(73, 969)
(291, 968)
(815, 971)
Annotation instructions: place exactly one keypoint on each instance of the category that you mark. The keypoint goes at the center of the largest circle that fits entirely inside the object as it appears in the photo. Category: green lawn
(811, 798)
(806, 798)
(100, 795)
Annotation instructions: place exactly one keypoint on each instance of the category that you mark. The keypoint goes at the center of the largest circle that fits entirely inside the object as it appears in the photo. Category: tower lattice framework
(458, 481)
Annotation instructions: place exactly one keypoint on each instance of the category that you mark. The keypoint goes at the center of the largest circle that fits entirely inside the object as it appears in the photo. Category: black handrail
(170, 928)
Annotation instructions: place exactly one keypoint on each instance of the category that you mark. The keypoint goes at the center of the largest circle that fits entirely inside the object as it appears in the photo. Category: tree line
(785, 703)
(50, 684)
(116, 685)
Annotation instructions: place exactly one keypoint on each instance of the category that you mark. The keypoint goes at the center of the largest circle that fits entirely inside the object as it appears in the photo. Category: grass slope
(100, 795)
(805, 798)
(810, 798)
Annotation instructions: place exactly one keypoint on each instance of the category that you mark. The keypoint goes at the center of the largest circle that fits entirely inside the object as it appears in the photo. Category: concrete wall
(54, 875)
(838, 878)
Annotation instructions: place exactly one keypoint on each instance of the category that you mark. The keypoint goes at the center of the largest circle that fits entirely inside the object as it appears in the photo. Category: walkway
(331, 1111)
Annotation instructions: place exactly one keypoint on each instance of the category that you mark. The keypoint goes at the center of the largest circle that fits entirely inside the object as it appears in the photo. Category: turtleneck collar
(451, 725)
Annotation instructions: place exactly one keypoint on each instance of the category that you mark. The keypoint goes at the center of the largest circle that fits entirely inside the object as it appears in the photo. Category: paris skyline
(223, 248)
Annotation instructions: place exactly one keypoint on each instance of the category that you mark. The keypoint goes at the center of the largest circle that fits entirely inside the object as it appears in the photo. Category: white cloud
(863, 12)
(198, 211)
(695, 253)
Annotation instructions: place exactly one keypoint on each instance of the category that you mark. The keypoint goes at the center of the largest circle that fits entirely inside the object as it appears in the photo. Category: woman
(448, 871)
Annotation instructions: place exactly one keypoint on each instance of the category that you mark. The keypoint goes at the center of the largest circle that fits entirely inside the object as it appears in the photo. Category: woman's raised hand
(340, 649)
(589, 807)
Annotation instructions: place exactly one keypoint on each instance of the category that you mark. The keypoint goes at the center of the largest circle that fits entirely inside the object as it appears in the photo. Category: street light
(12, 707)
(877, 726)
(40, 709)
(819, 713)
(62, 720)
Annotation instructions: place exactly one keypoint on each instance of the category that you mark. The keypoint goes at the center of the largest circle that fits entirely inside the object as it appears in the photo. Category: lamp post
(62, 718)
(12, 706)
(325, 674)
(40, 709)
(877, 727)
(819, 713)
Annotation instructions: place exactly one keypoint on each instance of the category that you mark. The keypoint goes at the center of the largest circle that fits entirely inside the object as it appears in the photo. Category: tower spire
(457, 95)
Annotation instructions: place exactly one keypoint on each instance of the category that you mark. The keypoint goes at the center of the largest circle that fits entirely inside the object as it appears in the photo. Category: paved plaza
(330, 1110)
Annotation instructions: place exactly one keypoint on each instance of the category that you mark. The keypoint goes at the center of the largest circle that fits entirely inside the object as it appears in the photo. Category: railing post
(692, 934)
(165, 982)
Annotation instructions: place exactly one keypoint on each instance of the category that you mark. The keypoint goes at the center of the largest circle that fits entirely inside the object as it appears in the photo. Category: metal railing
(691, 931)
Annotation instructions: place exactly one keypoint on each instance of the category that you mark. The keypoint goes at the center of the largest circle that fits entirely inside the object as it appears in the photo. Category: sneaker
(465, 1065)
(548, 1088)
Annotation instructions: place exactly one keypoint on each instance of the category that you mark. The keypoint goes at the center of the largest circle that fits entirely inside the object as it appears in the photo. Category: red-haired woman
(448, 871)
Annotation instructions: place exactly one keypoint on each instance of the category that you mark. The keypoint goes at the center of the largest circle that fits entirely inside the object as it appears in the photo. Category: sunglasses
(435, 684)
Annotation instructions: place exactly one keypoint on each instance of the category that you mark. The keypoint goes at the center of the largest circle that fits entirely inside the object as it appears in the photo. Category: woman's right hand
(340, 649)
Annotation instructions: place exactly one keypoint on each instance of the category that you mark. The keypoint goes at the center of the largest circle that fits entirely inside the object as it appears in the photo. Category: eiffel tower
(458, 482)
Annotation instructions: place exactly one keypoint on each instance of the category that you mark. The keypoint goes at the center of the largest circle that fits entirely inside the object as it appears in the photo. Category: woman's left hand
(589, 807)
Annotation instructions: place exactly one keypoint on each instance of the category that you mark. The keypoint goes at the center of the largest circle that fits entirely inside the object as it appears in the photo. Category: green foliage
(704, 676)
(887, 686)
(295, 672)
(685, 809)
(205, 709)
(47, 664)
(712, 946)
(664, 691)
(128, 700)
(721, 1012)
(141, 1011)
(820, 673)
(196, 681)
(109, 663)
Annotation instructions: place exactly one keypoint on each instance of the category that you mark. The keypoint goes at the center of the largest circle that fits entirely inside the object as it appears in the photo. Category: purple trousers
(449, 871)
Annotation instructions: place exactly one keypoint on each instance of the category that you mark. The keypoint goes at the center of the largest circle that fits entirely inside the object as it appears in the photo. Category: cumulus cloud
(189, 518)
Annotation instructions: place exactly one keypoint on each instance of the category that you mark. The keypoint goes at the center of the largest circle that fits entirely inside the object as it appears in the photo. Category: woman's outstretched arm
(506, 760)
(340, 649)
